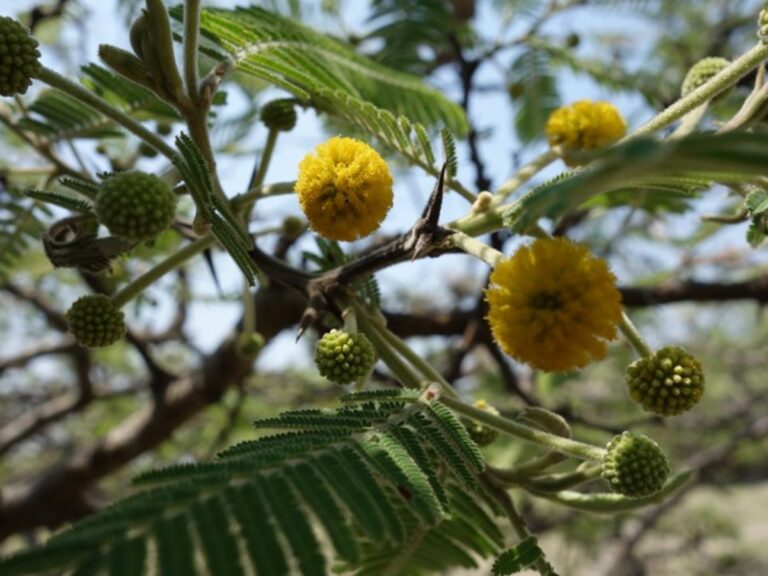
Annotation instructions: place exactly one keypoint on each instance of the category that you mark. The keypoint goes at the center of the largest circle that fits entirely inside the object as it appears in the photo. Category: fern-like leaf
(319, 69)
(732, 157)
(22, 222)
(55, 116)
(213, 208)
(534, 92)
(61, 199)
(521, 557)
(359, 482)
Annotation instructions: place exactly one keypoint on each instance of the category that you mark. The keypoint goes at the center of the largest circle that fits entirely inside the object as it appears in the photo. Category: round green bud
(279, 115)
(701, 72)
(635, 465)
(667, 383)
(164, 128)
(293, 226)
(19, 57)
(343, 358)
(135, 205)
(95, 321)
(147, 151)
(762, 23)
(249, 344)
(481, 434)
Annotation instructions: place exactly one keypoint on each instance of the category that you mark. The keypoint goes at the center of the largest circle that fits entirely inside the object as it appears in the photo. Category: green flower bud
(343, 358)
(19, 57)
(667, 383)
(762, 23)
(126, 64)
(164, 128)
(701, 72)
(135, 205)
(481, 434)
(279, 115)
(293, 226)
(95, 321)
(249, 344)
(635, 465)
(147, 151)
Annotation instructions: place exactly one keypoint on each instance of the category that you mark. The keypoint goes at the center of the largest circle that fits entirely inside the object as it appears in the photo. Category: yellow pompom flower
(585, 125)
(553, 305)
(345, 189)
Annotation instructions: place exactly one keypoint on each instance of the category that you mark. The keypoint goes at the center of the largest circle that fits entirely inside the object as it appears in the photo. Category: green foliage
(55, 116)
(213, 208)
(732, 157)
(756, 204)
(318, 69)
(384, 493)
(21, 223)
(517, 559)
(406, 29)
(533, 90)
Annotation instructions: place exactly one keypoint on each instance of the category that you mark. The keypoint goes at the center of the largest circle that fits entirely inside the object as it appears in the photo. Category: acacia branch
(23, 358)
(59, 493)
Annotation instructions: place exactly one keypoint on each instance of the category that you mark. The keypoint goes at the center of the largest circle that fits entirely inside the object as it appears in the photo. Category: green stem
(249, 310)
(483, 222)
(566, 446)
(555, 482)
(525, 173)
(134, 288)
(723, 80)
(518, 524)
(191, 39)
(55, 80)
(401, 348)
(633, 336)
(349, 316)
(690, 121)
(476, 248)
(260, 192)
(257, 179)
(753, 110)
(394, 362)
(609, 503)
(493, 219)
(536, 465)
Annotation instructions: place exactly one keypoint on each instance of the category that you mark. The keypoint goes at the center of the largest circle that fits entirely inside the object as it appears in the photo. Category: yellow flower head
(584, 125)
(553, 305)
(345, 189)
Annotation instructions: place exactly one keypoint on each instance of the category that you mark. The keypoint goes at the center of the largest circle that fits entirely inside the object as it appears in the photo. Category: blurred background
(76, 425)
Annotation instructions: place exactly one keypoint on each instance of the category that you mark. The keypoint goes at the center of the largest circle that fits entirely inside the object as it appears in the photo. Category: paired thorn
(426, 233)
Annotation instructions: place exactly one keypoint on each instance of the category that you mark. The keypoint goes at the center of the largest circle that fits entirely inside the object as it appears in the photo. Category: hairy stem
(57, 81)
(134, 288)
(566, 446)
(265, 191)
(609, 503)
(400, 347)
(475, 248)
(723, 80)
(633, 336)
(191, 39)
(526, 173)
(392, 359)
